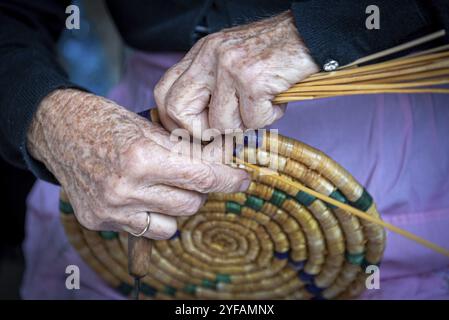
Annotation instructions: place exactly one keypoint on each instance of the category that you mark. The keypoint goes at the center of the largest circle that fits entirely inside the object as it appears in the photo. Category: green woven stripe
(233, 207)
(65, 207)
(254, 203)
(304, 198)
(223, 277)
(278, 197)
(206, 283)
(364, 202)
(148, 290)
(108, 235)
(337, 195)
(355, 258)
(169, 290)
(190, 288)
(125, 288)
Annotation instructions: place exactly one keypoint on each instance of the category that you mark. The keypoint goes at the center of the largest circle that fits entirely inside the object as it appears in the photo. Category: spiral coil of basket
(272, 242)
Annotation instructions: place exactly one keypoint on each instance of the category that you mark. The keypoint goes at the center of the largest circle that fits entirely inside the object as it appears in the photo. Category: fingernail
(245, 184)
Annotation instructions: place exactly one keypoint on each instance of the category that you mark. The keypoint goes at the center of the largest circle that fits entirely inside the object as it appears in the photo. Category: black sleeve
(336, 30)
(28, 72)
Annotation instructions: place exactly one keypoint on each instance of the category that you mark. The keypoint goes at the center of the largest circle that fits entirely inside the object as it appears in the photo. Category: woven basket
(275, 241)
(272, 242)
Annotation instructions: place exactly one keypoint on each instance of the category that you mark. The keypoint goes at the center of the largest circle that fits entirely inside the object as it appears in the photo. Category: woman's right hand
(115, 166)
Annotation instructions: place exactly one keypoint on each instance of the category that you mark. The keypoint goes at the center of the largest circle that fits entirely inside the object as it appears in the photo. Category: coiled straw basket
(274, 241)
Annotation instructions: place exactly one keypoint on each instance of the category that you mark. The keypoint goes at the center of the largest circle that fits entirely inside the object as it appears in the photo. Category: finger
(187, 100)
(161, 166)
(279, 111)
(163, 86)
(219, 148)
(160, 227)
(170, 200)
(204, 177)
(282, 106)
(224, 112)
(259, 113)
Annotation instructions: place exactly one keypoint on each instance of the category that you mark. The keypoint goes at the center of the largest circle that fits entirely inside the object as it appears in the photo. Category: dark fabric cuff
(337, 30)
(38, 85)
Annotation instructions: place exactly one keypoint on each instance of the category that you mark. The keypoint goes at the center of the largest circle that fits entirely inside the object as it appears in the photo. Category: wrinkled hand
(114, 165)
(228, 79)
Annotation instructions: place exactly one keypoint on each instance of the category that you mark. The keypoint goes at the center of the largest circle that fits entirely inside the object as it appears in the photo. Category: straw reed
(419, 73)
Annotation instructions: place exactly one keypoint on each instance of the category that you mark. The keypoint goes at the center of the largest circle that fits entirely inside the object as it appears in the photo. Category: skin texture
(228, 79)
(115, 165)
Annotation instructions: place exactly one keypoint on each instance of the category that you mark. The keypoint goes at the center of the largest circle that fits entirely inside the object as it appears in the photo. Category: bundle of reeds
(423, 72)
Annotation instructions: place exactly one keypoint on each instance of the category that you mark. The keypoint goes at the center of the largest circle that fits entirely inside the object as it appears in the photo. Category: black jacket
(331, 30)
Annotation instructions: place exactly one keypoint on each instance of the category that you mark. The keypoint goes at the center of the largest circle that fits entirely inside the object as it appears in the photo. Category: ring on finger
(146, 227)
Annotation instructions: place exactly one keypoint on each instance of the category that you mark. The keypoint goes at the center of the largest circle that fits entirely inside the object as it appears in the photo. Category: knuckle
(103, 216)
(89, 222)
(249, 71)
(205, 180)
(176, 101)
(134, 157)
(163, 86)
(261, 120)
(191, 205)
(112, 198)
(159, 92)
(215, 39)
(172, 108)
(229, 58)
(116, 192)
(135, 152)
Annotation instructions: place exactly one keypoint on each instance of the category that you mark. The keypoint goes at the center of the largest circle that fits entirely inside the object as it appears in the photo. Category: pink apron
(395, 145)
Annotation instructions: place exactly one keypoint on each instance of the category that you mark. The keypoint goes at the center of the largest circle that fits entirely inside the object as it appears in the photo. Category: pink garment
(395, 145)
